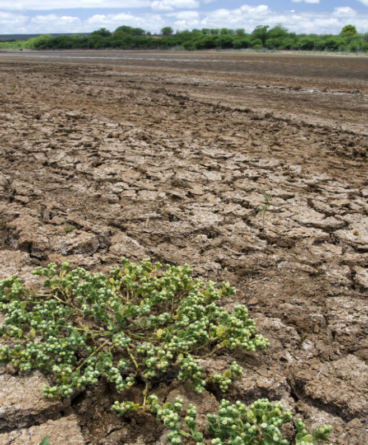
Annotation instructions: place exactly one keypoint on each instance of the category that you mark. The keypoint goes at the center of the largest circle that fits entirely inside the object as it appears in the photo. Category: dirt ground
(166, 155)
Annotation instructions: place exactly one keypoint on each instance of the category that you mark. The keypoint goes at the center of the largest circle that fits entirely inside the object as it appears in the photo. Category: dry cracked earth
(153, 162)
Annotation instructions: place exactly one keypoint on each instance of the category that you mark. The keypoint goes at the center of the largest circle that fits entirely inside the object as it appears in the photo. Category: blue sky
(319, 16)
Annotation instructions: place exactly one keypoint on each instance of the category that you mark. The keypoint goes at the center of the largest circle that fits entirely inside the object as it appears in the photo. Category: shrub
(242, 43)
(137, 323)
(354, 46)
(132, 326)
(257, 43)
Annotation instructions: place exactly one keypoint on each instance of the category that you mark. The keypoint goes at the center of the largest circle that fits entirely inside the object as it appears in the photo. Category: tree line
(262, 37)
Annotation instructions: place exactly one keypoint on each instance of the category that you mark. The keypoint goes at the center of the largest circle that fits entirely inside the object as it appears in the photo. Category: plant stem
(93, 353)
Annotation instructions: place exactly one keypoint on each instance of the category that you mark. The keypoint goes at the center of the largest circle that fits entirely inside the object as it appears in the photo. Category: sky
(68, 16)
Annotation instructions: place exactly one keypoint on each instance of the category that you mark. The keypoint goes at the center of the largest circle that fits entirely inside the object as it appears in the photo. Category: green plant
(69, 229)
(349, 29)
(132, 326)
(45, 441)
(236, 424)
(266, 205)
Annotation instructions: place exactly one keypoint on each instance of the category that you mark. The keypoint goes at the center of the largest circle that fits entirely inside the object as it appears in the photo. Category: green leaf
(251, 416)
(300, 438)
(198, 437)
(183, 433)
(45, 441)
(268, 440)
(181, 334)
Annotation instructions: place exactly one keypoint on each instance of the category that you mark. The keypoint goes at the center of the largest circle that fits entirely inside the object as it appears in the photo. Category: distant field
(307, 70)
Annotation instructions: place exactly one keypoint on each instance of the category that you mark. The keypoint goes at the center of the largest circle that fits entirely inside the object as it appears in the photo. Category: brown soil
(147, 154)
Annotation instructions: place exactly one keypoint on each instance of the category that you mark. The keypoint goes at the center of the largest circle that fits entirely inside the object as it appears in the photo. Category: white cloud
(185, 15)
(54, 19)
(365, 2)
(170, 5)
(23, 5)
(10, 22)
(344, 11)
(187, 20)
(307, 1)
(148, 22)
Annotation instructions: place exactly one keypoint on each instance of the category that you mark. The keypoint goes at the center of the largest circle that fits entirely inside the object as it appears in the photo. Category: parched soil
(167, 155)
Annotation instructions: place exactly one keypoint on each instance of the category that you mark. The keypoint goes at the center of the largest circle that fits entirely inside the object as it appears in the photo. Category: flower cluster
(225, 380)
(319, 435)
(236, 424)
(124, 407)
(189, 369)
(169, 415)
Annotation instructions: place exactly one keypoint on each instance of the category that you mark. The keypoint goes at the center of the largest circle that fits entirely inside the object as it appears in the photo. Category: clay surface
(164, 158)
(61, 432)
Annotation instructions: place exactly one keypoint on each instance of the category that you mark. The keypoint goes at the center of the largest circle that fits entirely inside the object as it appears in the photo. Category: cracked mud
(104, 159)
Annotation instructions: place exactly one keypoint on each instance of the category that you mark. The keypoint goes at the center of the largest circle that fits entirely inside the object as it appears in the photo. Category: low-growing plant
(45, 441)
(259, 424)
(266, 205)
(139, 322)
(130, 327)
(69, 229)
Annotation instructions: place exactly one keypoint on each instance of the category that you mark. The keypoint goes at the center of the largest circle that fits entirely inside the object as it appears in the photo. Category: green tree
(240, 32)
(103, 32)
(131, 31)
(277, 32)
(225, 41)
(119, 35)
(349, 29)
(42, 42)
(206, 42)
(167, 31)
(242, 42)
(227, 32)
(261, 33)
(354, 46)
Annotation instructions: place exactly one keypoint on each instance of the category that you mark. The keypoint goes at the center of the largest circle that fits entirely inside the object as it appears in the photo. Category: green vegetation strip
(262, 37)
